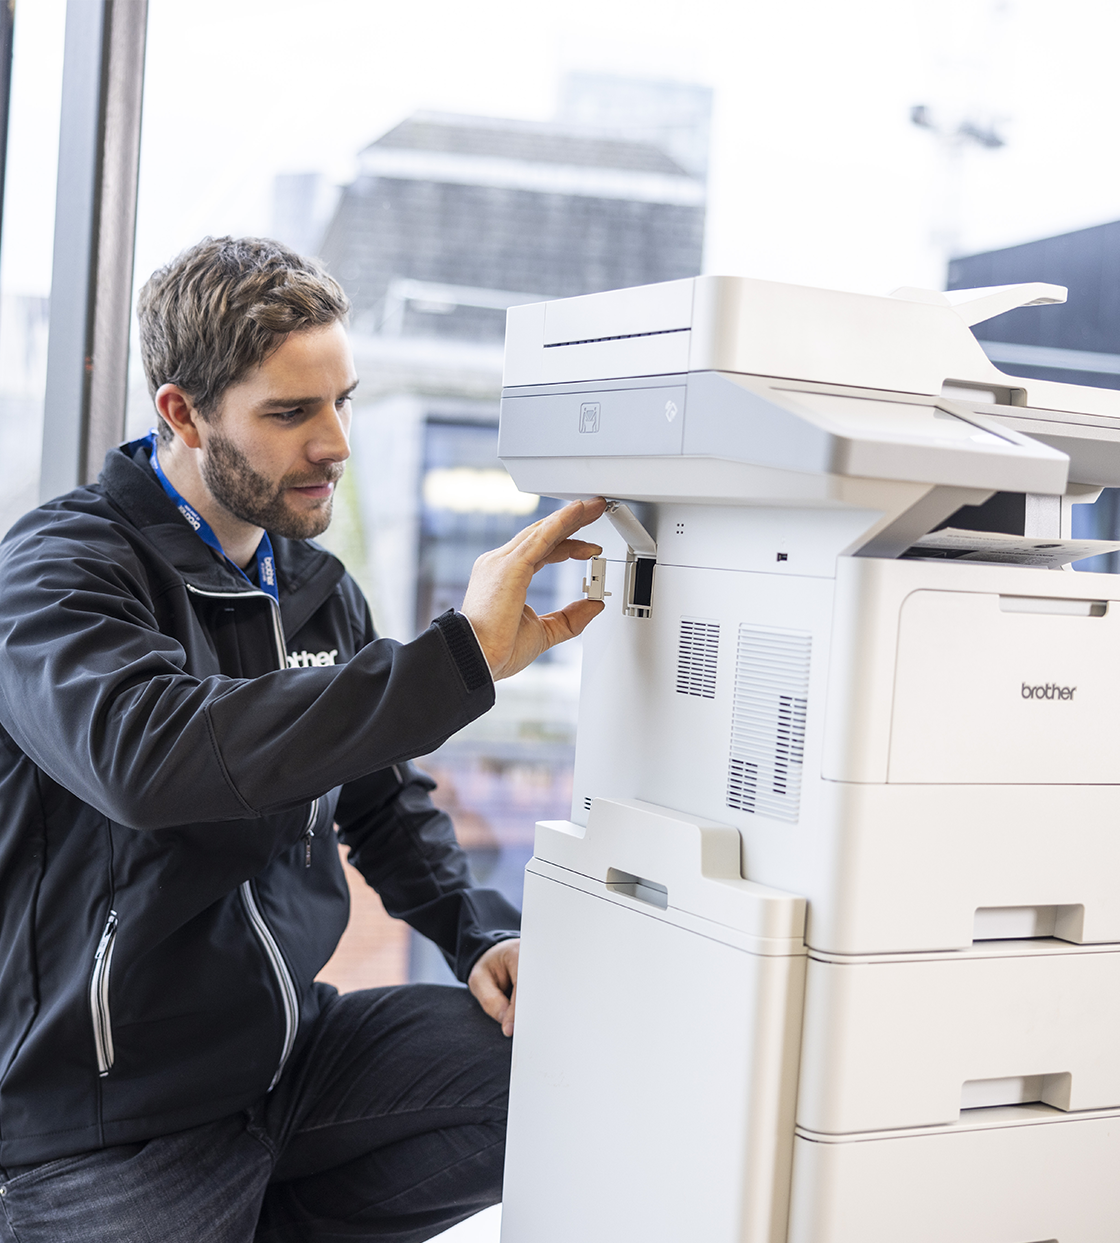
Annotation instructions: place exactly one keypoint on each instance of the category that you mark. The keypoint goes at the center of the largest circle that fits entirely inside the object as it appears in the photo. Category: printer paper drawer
(893, 1043)
(1045, 1180)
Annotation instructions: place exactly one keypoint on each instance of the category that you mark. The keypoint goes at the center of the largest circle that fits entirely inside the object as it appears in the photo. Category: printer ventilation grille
(768, 722)
(696, 658)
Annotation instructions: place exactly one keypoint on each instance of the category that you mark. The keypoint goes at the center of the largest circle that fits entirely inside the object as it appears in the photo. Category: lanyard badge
(266, 562)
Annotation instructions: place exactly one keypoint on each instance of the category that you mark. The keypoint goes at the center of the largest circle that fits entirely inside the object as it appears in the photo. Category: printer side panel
(714, 705)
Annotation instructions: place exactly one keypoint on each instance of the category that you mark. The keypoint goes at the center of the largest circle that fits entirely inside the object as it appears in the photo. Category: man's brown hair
(221, 308)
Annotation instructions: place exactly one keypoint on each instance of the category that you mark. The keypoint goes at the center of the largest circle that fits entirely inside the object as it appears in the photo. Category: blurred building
(302, 204)
(1076, 343)
(675, 117)
(451, 220)
(487, 212)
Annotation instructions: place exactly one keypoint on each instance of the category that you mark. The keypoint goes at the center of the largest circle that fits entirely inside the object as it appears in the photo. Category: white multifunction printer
(829, 950)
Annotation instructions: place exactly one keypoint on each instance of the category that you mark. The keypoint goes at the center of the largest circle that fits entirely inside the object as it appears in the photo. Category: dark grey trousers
(389, 1124)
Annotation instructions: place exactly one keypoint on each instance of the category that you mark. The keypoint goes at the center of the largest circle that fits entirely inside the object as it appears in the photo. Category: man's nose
(330, 441)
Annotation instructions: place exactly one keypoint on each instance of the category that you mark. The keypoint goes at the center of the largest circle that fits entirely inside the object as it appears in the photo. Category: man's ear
(178, 412)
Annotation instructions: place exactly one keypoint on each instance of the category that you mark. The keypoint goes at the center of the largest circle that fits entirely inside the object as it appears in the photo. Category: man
(169, 884)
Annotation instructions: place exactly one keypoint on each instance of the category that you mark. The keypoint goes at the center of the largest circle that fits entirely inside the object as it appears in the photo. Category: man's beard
(255, 499)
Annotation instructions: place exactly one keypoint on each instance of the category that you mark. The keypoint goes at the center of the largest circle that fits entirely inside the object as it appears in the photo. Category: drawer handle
(638, 887)
(1052, 1090)
(1053, 605)
(1021, 923)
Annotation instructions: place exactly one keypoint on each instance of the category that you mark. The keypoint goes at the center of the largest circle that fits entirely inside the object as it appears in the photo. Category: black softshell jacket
(171, 766)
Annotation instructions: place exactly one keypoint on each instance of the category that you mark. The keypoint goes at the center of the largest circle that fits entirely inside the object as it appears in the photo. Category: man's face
(275, 449)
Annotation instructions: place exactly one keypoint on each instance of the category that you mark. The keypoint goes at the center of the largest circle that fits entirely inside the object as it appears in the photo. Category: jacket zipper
(279, 970)
(282, 657)
(279, 967)
(99, 996)
(309, 833)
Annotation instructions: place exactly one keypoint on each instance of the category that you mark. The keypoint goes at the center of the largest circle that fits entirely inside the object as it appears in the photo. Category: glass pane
(25, 253)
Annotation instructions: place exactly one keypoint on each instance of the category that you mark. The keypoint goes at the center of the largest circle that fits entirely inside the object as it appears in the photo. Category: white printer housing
(834, 925)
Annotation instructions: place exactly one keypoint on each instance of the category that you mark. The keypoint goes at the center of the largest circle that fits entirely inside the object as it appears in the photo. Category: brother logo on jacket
(301, 660)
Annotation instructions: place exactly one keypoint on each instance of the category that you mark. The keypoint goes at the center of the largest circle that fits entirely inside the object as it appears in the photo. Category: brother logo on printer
(1049, 690)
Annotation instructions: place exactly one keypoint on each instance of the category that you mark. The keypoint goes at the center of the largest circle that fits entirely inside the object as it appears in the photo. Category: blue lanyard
(266, 562)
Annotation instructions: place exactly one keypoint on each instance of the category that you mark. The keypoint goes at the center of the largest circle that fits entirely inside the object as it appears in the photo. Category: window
(25, 259)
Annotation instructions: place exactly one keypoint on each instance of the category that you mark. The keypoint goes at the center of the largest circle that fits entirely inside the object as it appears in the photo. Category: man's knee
(456, 1030)
(432, 1031)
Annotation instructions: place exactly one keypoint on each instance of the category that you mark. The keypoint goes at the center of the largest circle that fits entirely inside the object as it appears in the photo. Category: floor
(485, 1228)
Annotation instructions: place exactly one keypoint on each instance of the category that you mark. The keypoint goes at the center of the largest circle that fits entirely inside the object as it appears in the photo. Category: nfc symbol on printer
(589, 416)
(670, 410)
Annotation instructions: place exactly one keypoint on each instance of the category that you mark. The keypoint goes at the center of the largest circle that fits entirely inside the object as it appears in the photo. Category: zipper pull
(309, 833)
(106, 936)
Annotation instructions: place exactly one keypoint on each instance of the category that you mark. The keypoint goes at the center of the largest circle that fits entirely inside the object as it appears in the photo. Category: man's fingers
(557, 525)
(572, 550)
(544, 536)
(488, 995)
(517, 540)
(494, 601)
(507, 1022)
(571, 620)
(495, 972)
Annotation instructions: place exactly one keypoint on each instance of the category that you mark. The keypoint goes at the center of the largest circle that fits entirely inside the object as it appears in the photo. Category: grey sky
(817, 175)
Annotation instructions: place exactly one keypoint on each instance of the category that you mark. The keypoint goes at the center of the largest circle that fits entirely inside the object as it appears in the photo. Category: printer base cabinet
(680, 1125)
(1010, 1174)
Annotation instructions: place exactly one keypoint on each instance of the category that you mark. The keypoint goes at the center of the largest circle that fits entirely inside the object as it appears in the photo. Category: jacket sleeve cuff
(458, 634)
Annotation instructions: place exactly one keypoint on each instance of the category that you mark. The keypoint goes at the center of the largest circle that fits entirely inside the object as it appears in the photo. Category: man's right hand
(510, 634)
